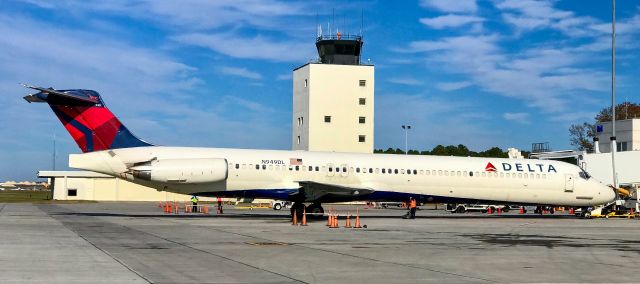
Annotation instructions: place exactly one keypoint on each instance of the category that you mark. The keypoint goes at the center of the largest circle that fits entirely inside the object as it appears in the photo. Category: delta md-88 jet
(310, 178)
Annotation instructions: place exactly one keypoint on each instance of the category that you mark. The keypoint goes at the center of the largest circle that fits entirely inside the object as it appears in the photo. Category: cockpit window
(583, 174)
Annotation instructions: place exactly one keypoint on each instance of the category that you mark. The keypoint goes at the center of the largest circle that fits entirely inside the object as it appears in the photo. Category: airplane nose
(607, 194)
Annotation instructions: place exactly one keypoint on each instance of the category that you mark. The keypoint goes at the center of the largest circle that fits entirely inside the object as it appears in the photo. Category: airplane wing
(317, 191)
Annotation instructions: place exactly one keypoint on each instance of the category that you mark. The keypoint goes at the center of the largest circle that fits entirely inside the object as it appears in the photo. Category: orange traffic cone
(334, 222)
(489, 210)
(499, 210)
(521, 209)
(304, 217)
(571, 211)
(329, 220)
(357, 226)
(295, 218)
(347, 223)
(166, 207)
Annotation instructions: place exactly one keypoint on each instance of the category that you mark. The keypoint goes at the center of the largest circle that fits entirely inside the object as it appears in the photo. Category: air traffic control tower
(333, 98)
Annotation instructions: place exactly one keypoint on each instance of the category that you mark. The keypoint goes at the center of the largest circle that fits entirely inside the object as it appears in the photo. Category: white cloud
(240, 72)
(450, 21)
(409, 81)
(519, 117)
(455, 6)
(452, 86)
(541, 77)
(284, 77)
(258, 47)
(432, 123)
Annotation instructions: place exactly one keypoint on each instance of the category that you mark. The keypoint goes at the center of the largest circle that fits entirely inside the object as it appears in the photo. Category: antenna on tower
(361, 20)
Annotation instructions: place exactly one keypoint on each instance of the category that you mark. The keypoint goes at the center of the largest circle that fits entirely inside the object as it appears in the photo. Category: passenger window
(484, 174)
(526, 175)
(264, 167)
(446, 173)
(297, 168)
(501, 175)
(337, 170)
(428, 172)
(330, 169)
(395, 171)
(317, 168)
(402, 171)
(520, 175)
(277, 167)
(415, 172)
(244, 166)
(470, 174)
(237, 166)
(544, 176)
(421, 172)
(344, 169)
(477, 174)
(465, 173)
(271, 167)
(310, 168)
(257, 167)
(357, 170)
(538, 176)
(459, 173)
(383, 171)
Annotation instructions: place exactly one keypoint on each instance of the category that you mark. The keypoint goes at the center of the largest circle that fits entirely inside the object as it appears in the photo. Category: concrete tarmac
(137, 242)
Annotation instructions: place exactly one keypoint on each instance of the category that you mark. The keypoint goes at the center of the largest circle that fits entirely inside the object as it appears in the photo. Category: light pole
(613, 92)
(406, 135)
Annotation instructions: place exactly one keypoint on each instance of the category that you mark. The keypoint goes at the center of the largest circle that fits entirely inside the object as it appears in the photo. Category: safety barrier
(174, 207)
(332, 219)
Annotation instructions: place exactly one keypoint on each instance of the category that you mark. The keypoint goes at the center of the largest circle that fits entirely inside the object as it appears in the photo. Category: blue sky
(501, 73)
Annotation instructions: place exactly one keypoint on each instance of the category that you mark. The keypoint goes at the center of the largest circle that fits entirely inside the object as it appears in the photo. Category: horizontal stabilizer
(53, 96)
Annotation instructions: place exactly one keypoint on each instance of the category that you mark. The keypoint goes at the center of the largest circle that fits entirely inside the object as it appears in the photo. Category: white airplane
(310, 177)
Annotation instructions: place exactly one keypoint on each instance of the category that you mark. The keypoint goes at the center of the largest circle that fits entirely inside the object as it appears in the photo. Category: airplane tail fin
(87, 119)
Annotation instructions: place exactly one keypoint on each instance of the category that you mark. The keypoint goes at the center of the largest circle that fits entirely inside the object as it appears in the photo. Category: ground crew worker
(219, 204)
(412, 208)
(194, 200)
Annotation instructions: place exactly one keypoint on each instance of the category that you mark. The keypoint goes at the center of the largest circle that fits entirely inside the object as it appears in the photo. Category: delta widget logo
(490, 168)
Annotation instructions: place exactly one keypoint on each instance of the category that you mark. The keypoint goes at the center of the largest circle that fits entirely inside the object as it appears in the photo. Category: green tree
(626, 110)
(581, 136)
(439, 151)
(494, 152)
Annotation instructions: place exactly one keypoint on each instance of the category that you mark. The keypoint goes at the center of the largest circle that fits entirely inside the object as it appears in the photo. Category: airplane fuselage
(278, 174)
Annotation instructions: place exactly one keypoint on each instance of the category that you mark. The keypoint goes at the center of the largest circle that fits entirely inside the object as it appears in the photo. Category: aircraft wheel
(315, 209)
(587, 215)
(460, 210)
(298, 209)
(277, 206)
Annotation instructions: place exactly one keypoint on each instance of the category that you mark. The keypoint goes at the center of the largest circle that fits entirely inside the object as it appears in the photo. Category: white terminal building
(333, 99)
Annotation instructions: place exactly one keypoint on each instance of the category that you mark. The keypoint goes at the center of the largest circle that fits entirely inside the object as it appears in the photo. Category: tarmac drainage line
(329, 251)
(220, 256)
(98, 248)
(168, 240)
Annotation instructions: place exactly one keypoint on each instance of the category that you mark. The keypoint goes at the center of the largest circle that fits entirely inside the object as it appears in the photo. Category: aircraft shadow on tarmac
(284, 216)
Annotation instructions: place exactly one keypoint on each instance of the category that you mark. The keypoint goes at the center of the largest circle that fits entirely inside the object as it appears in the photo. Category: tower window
(306, 83)
(298, 140)
(363, 83)
(361, 120)
(361, 138)
(362, 101)
(327, 118)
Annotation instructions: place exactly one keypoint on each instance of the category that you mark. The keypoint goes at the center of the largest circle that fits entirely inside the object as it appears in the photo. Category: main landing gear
(313, 210)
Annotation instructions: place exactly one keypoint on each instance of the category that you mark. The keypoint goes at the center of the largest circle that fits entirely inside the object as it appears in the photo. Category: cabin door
(568, 182)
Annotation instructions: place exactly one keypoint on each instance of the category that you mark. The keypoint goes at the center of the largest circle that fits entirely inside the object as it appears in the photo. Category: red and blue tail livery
(87, 119)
